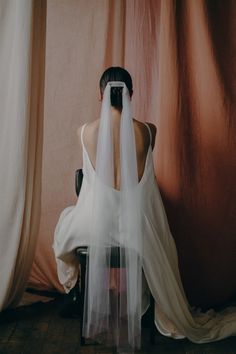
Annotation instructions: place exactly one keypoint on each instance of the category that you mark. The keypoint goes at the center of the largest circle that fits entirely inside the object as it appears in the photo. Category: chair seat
(113, 262)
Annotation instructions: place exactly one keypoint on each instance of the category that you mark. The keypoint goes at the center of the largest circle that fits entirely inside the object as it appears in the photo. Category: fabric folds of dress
(173, 317)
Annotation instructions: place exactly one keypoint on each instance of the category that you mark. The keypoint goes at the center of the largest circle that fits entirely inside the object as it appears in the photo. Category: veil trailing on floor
(113, 314)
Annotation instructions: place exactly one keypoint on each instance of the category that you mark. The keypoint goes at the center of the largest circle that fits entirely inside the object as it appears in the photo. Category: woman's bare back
(142, 139)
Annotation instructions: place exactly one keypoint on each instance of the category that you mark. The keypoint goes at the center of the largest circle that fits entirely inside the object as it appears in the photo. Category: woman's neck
(115, 113)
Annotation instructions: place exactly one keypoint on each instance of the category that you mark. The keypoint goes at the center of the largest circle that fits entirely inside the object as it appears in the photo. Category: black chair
(83, 253)
(78, 180)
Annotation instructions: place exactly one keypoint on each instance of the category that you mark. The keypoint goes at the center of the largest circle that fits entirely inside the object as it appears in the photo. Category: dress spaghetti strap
(82, 134)
(150, 133)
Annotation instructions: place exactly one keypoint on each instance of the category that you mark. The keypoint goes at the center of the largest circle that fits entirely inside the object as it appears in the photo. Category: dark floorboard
(38, 329)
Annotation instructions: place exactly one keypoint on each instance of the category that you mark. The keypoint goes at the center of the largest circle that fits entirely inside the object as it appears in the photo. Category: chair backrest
(114, 261)
(78, 180)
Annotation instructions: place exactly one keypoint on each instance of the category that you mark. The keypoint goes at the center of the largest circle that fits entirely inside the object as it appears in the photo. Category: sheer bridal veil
(113, 314)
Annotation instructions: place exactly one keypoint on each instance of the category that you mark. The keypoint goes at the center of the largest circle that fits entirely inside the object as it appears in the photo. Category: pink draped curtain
(181, 55)
(22, 60)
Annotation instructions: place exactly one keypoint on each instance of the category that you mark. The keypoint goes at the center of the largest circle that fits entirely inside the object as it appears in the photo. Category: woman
(142, 134)
(120, 206)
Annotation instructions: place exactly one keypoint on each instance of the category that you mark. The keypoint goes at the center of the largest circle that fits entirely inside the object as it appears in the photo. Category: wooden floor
(39, 329)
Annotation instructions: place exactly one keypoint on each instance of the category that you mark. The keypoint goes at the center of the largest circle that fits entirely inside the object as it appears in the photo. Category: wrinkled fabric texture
(159, 255)
(181, 56)
(22, 49)
(114, 316)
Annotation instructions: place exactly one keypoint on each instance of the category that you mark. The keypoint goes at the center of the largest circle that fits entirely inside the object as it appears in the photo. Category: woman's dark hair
(116, 73)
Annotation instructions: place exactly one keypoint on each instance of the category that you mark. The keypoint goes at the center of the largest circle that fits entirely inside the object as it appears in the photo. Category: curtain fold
(22, 34)
(196, 115)
(181, 55)
(82, 38)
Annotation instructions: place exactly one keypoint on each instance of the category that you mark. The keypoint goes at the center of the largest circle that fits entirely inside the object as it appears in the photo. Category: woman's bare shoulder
(151, 125)
(89, 126)
(143, 128)
(153, 128)
(78, 131)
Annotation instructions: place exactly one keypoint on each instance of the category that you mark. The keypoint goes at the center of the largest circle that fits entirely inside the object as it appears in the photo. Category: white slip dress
(173, 315)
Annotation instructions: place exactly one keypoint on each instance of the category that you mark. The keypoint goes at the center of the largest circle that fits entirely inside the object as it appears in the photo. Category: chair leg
(153, 327)
(82, 292)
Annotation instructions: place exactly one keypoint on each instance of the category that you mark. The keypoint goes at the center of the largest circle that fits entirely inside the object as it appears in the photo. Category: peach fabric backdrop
(183, 71)
(22, 60)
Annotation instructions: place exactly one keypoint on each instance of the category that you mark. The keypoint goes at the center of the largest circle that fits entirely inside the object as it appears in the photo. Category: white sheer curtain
(22, 33)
